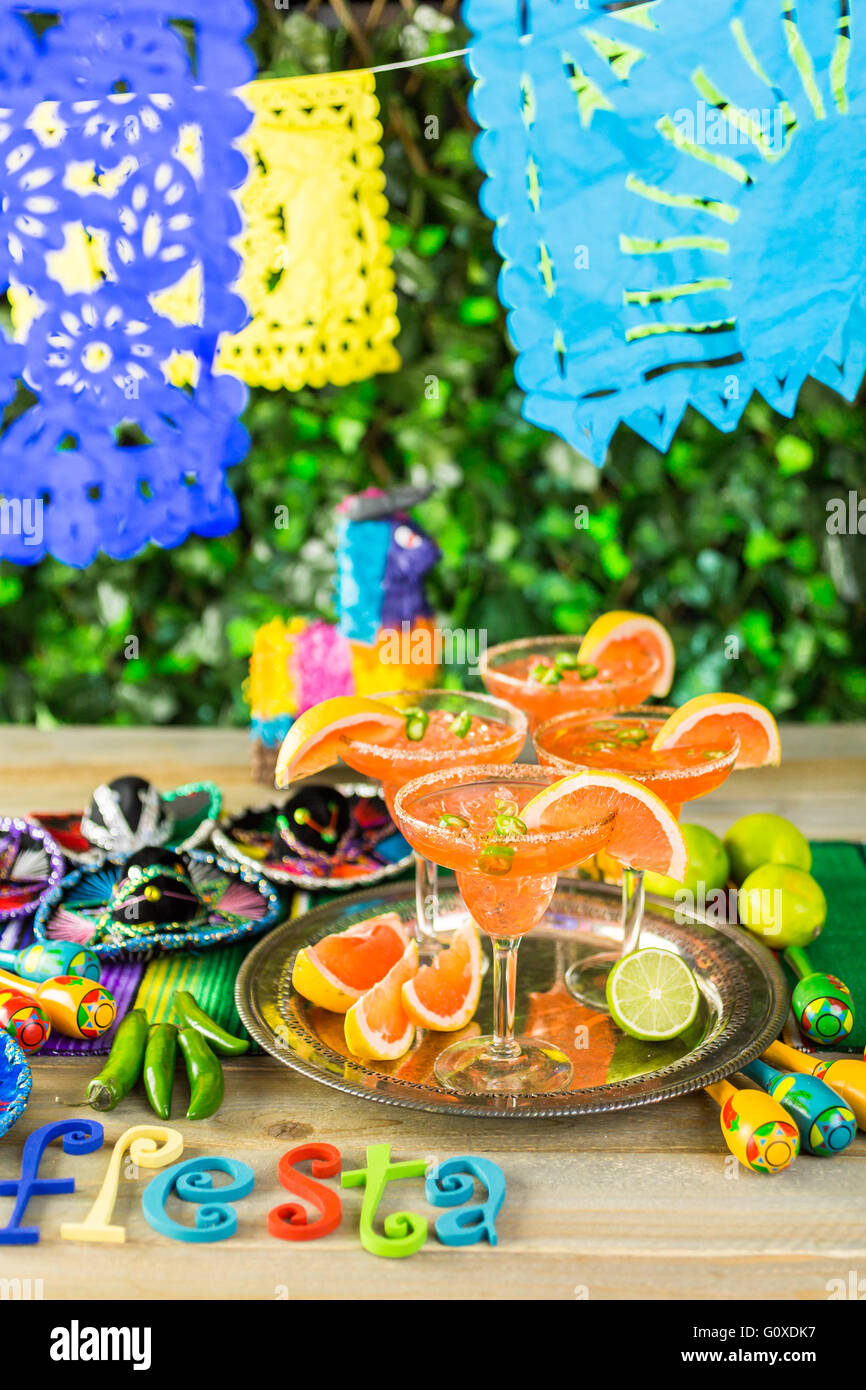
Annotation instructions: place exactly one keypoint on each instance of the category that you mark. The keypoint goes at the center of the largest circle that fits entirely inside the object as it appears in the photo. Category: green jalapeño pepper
(205, 1073)
(123, 1067)
(221, 1041)
(159, 1060)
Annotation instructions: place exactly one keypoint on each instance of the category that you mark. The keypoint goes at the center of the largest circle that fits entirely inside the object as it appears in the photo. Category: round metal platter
(744, 1004)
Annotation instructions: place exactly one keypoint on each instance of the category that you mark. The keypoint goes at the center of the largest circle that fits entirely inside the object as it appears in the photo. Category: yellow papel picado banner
(317, 274)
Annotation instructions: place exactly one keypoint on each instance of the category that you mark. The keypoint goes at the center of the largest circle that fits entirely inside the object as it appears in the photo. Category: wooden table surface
(645, 1204)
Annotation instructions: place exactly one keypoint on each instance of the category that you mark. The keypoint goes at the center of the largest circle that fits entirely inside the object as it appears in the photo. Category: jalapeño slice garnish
(633, 735)
(545, 675)
(496, 859)
(586, 671)
(461, 724)
(417, 721)
(566, 661)
(508, 825)
(453, 822)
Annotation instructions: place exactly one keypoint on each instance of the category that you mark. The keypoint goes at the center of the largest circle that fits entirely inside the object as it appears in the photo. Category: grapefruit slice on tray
(377, 1026)
(443, 996)
(618, 638)
(709, 721)
(336, 971)
(644, 834)
(313, 741)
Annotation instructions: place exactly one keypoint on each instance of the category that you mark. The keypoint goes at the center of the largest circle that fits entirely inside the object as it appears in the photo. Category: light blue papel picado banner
(679, 202)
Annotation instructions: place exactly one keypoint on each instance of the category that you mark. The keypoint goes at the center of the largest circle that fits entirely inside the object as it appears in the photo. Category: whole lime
(763, 838)
(782, 905)
(708, 865)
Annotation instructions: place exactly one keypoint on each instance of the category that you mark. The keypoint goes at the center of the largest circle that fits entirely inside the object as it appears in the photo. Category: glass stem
(426, 898)
(504, 1046)
(632, 909)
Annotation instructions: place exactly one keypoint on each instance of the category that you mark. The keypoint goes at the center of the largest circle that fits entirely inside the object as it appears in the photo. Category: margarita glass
(468, 819)
(621, 741)
(441, 729)
(542, 676)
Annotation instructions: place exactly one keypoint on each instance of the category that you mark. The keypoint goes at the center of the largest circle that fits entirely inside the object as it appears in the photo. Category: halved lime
(652, 995)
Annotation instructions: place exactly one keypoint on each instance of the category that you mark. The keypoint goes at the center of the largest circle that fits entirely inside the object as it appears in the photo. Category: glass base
(470, 1068)
(586, 980)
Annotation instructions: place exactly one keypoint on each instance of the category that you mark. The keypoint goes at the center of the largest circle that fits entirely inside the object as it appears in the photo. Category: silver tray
(744, 1003)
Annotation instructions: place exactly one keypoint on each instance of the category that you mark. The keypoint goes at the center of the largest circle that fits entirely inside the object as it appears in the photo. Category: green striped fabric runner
(208, 975)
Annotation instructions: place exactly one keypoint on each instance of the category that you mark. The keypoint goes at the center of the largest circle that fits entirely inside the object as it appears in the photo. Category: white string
(386, 67)
(416, 62)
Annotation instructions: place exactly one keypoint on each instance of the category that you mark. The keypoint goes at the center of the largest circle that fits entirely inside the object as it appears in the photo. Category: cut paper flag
(678, 203)
(111, 199)
(317, 274)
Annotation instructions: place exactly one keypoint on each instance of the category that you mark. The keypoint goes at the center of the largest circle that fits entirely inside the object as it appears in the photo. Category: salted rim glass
(536, 699)
(568, 718)
(500, 1064)
(380, 756)
(480, 705)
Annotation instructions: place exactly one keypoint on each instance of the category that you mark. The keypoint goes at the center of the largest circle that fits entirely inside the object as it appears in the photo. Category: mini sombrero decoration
(322, 837)
(129, 814)
(158, 900)
(31, 864)
(15, 1082)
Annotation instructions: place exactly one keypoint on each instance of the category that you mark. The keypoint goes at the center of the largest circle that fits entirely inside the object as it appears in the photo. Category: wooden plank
(57, 769)
(632, 1205)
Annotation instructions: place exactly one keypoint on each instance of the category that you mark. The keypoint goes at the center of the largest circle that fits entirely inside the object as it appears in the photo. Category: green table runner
(840, 868)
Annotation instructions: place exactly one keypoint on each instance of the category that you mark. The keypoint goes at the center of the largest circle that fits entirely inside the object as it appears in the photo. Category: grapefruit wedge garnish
(711, 721)
(337, 970)
(644, 833)
(377, 1026)
(443, 996)
(313, 741)
(619, 637)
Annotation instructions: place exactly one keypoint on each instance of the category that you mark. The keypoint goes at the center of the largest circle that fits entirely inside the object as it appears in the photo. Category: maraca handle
(762, 1074)
(799, 962)
(26, 988)
(779, 1054)
(721, 1091)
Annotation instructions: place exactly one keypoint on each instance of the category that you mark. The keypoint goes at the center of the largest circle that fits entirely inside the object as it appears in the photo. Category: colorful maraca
(822, 1004)
(844, 1075)
(23, 1021)
(756, 1128)
(825, 1123)
(44, 960)
(79, 1008)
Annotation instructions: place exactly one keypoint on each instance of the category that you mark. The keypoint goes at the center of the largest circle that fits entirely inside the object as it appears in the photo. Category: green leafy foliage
(725, 539)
